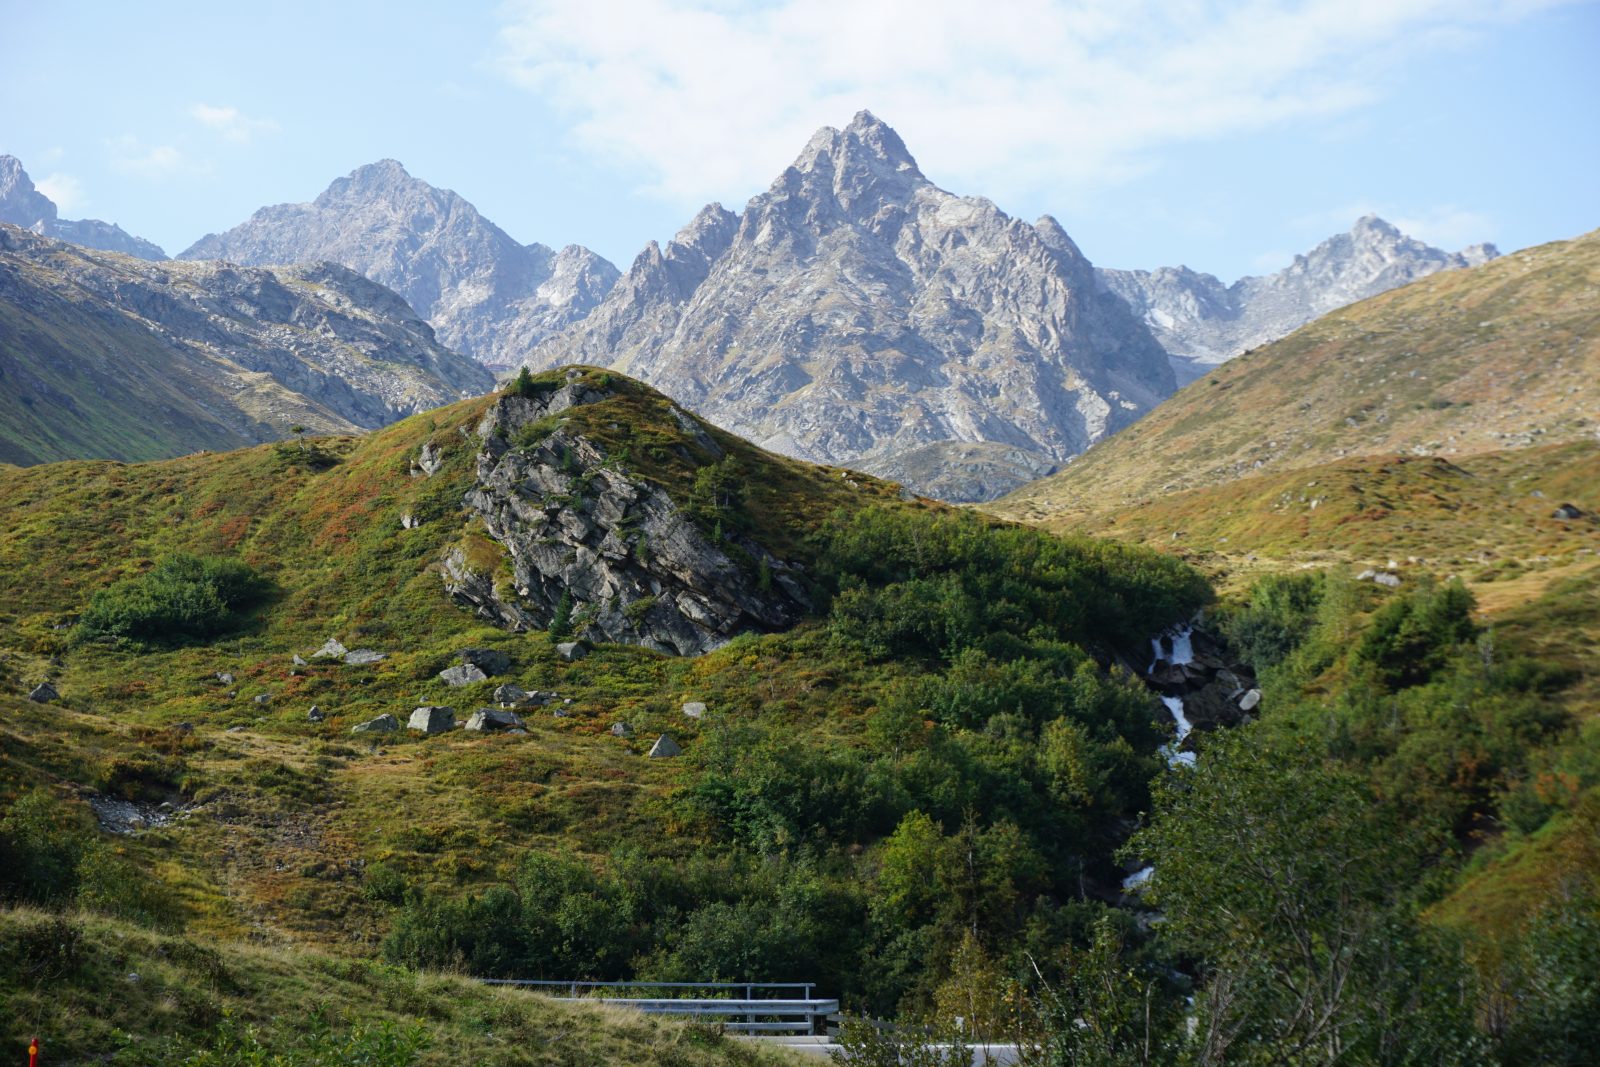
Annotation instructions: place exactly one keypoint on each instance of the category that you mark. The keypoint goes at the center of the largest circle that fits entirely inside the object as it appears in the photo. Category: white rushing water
(1137, 879)
(1181, 652)
(1174, 757)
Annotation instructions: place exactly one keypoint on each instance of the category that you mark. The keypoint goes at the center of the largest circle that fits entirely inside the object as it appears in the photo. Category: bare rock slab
(432, 720)
(383, 724)
(465, 674)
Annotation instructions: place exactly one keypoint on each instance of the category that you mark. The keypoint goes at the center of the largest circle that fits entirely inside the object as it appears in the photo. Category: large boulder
(572, 650)
(694, 709)
(362, 656)
(488, 660)
(433, 720)
(383, 724)
(332, 650)
(465, 674)
(491, 719)
(665, 748)
(621, 729)
(509, 695)
(44, 693)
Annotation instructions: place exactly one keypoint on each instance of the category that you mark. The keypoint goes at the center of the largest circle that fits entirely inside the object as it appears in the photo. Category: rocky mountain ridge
(21, 204)
(484, 293)
(1202, 322)
(110, 356)
(855, 311)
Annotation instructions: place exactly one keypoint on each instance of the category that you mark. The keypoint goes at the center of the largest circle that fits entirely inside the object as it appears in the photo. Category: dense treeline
(975, 821)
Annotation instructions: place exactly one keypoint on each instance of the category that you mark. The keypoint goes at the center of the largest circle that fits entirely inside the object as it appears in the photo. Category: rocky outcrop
(855, 311)
(21, 204)
(611, 550)
(1201, 322)
(484, 293)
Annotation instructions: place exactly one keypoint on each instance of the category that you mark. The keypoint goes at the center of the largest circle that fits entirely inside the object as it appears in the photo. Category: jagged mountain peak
(388, 179)
(483, 292)
(1374, 226)
(855, 310)
(22, 204)
(1202, 322)
(866, 152)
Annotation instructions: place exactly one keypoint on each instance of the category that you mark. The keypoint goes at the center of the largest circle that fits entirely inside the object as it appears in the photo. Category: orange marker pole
(33, 1053)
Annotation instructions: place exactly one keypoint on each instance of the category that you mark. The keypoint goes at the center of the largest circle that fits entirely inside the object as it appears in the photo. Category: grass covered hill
(1464, 362)
(97, 990)
(107, 356)
(925, 773)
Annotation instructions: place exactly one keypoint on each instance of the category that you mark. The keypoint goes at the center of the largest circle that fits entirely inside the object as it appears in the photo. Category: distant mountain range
(854, 313)
(108, 356)
(485, 294)
(1501, 356)
(23, 205)
(1201, 322)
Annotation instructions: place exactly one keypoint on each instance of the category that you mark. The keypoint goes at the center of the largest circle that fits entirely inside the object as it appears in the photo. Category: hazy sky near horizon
(1224, 136)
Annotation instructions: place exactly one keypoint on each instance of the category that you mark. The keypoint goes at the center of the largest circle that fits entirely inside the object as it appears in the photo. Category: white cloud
(130, 155)
(231, 123)
(1447, 226)
(713, 97)
(64, 189)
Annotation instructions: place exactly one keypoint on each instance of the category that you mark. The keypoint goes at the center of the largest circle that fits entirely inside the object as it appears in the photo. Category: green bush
(1412, 637)
(1281, 612)
(181, 598)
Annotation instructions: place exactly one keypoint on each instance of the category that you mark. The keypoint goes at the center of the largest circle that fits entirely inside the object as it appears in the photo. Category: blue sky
(1225, 136)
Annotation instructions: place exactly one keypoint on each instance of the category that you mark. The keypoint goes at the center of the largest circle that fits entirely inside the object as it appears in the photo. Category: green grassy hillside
(98, 990)
(953, 696)
(1461, 362)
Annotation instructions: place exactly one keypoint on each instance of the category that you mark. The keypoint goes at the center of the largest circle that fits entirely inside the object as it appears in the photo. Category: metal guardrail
(749, 1014)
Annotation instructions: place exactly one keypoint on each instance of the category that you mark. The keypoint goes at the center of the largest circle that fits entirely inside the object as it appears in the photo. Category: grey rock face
(637, 568)
(572, 650)
(432, 720)
(489, 719)
(621, 729)
(694, 709)
(489, 661)
(510, 694)
(465, 674)
(383, 724)
(23, 205)
(44, 693)
(855, 311)
(665, 748)
(362, 657)
(962, 472)
(331, 650)
(1202, 322)
(484, 293)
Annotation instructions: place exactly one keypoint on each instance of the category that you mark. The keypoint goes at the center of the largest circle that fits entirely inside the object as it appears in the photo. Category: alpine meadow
(860, 628)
